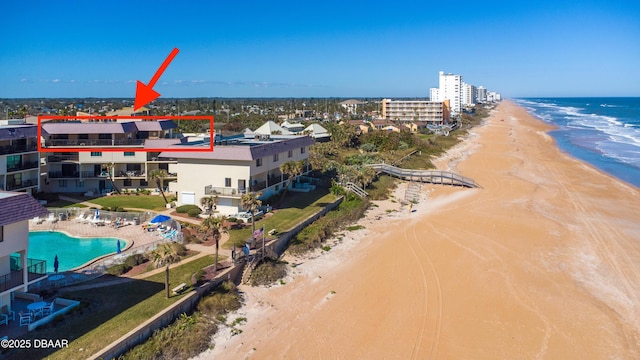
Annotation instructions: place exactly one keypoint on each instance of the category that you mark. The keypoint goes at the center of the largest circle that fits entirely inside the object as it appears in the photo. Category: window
(302, 150)
(290, 153)
(275, 157)
(1, 233)
(127, 182)
(227, 182)
(129, 153)
(62, 183)
(96, 153)
(258, 162)
(144, 183)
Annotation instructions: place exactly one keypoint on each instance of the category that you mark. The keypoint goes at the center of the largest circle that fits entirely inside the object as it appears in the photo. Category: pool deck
(134, 235)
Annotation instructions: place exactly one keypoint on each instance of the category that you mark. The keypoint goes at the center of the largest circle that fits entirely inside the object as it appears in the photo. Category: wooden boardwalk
(426, 176)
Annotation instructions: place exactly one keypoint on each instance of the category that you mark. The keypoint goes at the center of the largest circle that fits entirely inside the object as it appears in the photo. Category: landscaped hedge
(184, 209)
(194, 212)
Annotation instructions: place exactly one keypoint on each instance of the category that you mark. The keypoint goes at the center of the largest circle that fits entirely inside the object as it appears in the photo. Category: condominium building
(237, 165)
(451, 89)
(16, 270)
(419, 111)
(481, 94)
(19, 158)
(468, 94)
(98, 171)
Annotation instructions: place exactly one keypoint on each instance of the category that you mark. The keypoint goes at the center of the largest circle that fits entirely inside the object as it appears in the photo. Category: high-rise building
(468, 94)
(481, 94)
(450, 88)
(419, 111)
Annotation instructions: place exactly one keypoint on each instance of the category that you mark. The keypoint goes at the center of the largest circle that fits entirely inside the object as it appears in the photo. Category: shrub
(223, 299)
(118, 269)
(368, 147)
(180, 249)
(184, 209)
(268, 272)
(135, 259)
(194, 212)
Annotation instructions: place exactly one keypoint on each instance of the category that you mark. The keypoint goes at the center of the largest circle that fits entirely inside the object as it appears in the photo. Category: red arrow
(145, 93)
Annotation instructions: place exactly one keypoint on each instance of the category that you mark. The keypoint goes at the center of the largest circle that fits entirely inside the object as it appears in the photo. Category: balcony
(21, 185)
(24, 166)
(130, 174)
(36, 269)
(61, 175)
(63, 157)
(4, 150)
(223, 191)
(92, 142)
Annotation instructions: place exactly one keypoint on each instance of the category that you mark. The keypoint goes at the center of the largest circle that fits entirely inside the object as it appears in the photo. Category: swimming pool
(72, 251)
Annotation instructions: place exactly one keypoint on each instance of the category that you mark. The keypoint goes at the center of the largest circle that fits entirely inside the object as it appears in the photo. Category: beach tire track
(433, 294)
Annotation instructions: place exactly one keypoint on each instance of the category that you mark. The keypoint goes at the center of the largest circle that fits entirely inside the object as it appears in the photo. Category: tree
(250, 202)
(165, 254)
(209, 203)
(366, 175)
(291, 169)
(110, 167)
(215, 224)
(158, 175)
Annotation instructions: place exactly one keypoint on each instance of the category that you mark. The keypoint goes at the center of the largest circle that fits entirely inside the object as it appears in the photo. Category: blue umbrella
(55, 264)
(160, 219)
(119, 250)
(97, 214)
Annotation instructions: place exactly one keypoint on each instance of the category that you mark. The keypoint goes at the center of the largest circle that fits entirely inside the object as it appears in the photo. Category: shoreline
(535, 263)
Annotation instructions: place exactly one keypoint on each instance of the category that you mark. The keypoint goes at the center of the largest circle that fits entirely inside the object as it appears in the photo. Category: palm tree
(366, 175)
(165, 254)
(250, 202)
(292, 169)
(110, 167)
(158, 175)
(209, 203)
(215, 224)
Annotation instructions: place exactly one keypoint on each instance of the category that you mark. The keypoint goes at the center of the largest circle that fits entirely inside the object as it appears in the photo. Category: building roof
(271, 128)
(16, 206)
(244, 151)
(163, 143)
(120, 127)
(351, 102)
(13, 132)
(68, 127)
(127, 111)
(316, 129)
(155, 125)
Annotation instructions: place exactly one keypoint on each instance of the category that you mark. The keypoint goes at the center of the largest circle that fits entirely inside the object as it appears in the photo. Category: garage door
(188, 198)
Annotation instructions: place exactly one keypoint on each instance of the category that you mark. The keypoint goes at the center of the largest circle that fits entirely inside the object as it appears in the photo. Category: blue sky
(319, 49)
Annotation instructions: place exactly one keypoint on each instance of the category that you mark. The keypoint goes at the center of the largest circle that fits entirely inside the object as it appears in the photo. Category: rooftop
(15, 206)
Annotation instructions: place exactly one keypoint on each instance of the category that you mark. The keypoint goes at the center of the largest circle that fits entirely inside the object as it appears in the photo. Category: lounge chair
(36, 220)
(52, 218)
(4, 319)
(80, 218)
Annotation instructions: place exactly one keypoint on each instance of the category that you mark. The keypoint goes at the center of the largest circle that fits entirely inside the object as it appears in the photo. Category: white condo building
(19, 158)
(481, 94)
(450, 88)
(468, 94)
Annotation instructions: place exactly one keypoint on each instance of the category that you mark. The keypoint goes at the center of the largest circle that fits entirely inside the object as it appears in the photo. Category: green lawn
(295, 208)
(108, 313)
(63, 204)
(149, 202)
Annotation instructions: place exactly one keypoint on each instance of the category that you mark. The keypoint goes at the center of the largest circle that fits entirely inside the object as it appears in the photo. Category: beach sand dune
(542, 262)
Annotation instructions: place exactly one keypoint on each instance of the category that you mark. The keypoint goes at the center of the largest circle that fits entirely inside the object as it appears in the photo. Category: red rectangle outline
(117, 149)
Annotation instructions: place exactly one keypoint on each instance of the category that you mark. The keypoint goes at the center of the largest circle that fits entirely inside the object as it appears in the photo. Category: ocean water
(604, 132)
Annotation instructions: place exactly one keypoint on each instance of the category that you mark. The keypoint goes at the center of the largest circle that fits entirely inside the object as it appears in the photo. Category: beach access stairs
(354, 188)
(412, 194)
(255, 260)
(426, 176)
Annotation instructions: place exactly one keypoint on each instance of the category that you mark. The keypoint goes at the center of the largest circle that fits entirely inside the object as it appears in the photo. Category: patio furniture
(79, 218)
(4, 319)
(36, 220)
(25, 319)
(36, 308)
(48, 309)
(52, 218)
(10, 314)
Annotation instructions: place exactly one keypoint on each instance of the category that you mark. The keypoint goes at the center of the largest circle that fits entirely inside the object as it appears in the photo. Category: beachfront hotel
(238, 164)
(19, 158)
(87, 172)
(416, 111)
(16, 270)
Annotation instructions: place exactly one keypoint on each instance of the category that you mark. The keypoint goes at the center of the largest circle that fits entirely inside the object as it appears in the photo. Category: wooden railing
(429, 176)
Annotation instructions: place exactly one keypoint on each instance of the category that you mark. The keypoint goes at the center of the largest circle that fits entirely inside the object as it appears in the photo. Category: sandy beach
(542, 262)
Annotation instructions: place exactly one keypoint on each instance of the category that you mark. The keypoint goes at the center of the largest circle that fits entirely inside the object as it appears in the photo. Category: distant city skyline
(330, 49)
